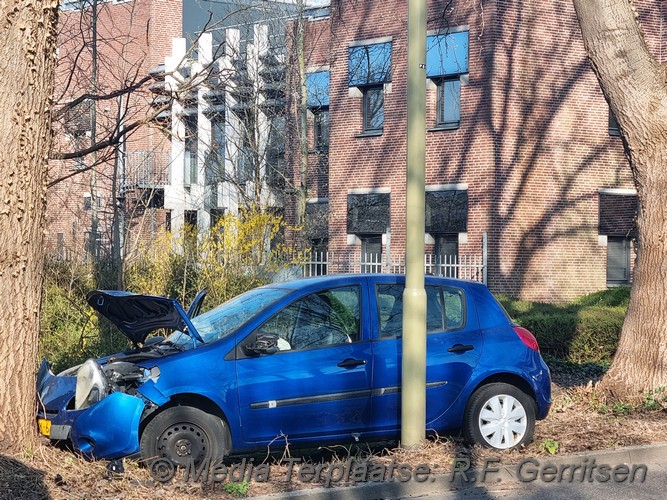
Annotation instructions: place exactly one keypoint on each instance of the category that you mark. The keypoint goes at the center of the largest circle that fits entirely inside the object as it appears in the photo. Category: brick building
(100, 53)
(524, 166)
(521, 149)
(156, 178)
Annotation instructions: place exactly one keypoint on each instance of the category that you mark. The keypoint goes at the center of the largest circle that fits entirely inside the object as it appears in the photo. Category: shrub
(238, 254)
(585, 330)
(69, 329)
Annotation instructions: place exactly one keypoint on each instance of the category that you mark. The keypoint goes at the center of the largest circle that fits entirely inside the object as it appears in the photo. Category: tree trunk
(634, 84)
(27, 61)
(302, 118)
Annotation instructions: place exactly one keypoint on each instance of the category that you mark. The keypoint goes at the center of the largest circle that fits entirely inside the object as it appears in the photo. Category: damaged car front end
(113, 390)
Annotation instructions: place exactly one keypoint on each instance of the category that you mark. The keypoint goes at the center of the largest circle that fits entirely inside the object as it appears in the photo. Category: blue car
(311, 361)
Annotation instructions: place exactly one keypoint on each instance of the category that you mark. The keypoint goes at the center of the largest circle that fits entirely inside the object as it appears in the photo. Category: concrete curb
(443, 482)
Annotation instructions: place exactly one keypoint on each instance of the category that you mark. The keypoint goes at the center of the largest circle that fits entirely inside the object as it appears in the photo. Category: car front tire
(500, 416)
(182, 434)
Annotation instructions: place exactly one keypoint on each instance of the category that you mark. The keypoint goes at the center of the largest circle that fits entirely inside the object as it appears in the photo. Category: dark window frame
(442, 241)
(446, 66)
(612, 125)
(443, 85)
(368, 213)
(374, 241)
(625, 252)
(321, 128)
(368, 114)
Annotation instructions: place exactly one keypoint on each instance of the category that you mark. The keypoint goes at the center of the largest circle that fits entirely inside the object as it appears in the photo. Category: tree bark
(633, 82)
(27, 61)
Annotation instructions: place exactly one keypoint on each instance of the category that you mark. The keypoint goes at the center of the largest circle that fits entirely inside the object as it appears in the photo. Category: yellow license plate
(44, 426)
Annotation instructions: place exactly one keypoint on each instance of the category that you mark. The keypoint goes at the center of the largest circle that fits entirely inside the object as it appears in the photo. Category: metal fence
(469, 267)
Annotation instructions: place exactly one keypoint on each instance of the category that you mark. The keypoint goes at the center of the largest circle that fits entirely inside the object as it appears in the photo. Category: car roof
(342, 279)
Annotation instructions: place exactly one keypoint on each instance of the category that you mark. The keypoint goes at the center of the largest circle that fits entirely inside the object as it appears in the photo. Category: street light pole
(413, 390)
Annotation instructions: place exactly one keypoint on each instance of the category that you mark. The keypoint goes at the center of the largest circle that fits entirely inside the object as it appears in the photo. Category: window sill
(446, 126)
(374, 133)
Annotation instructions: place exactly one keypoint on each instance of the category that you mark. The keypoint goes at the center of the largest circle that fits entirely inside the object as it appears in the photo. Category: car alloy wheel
(500, 416)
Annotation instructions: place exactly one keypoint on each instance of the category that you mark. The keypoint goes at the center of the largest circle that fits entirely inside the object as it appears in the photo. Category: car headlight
(91, 385)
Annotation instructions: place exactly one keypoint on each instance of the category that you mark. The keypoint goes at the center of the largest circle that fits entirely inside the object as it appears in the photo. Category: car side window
(390, 310)
(445, 309)
(454, 304)
(324, 318)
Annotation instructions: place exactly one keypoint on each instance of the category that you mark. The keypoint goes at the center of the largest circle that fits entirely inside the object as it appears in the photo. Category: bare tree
(633, 82)
(28, 61)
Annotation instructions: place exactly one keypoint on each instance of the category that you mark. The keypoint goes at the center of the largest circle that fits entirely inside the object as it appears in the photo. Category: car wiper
(172, 345)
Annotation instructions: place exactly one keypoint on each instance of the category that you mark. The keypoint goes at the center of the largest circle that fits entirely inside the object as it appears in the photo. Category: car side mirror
(264, 343)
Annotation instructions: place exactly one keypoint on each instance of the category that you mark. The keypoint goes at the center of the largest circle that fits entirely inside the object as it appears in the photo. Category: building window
(449, 103)
(88, 201)
(613, 124)
(446, 211)
(317, 97)
(317, 89)
(316, 232)
(190, 150)
(446, 216)
(321, 133)
(373, 99)
(367, 213)
(369, 64)
(275, 153)
(446, 64)
(371, 253)
(316, 222)
(151, 198)
(368, 219)
(618, 261)
(369, 69)
(245, 164)
(216, 226)
(617, 214)
(215, 159)
(446, 252)
(190, 219)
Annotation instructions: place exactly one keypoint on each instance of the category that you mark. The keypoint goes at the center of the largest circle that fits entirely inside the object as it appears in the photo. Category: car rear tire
(184, 433)
(499, 416)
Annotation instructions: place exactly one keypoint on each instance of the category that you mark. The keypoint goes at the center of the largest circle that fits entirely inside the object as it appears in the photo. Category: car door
(316, 379)
(453, 347)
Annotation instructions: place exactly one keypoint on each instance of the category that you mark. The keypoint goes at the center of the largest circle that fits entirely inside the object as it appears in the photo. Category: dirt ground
(578, 422)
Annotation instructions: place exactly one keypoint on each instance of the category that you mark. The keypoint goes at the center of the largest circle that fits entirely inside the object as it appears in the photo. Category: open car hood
(138, 315)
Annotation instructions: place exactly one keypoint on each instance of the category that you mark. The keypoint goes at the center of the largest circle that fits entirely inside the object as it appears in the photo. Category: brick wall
(133, 38)
(533, 145)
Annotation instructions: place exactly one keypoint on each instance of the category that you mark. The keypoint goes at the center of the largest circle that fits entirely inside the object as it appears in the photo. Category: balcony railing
(147, 169)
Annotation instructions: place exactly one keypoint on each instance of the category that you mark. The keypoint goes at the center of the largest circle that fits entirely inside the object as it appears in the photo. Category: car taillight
(527, 338)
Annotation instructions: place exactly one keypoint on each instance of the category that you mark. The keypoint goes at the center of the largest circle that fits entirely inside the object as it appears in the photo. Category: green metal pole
(413, 390)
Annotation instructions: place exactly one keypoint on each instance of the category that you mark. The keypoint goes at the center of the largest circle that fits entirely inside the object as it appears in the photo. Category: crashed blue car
(310, 362)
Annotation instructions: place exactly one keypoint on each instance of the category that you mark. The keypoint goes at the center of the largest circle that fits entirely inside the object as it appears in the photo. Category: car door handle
(461, 348)
(351, 363)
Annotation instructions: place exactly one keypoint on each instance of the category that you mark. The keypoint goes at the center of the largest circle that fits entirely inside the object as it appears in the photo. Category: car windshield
(226, 318)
